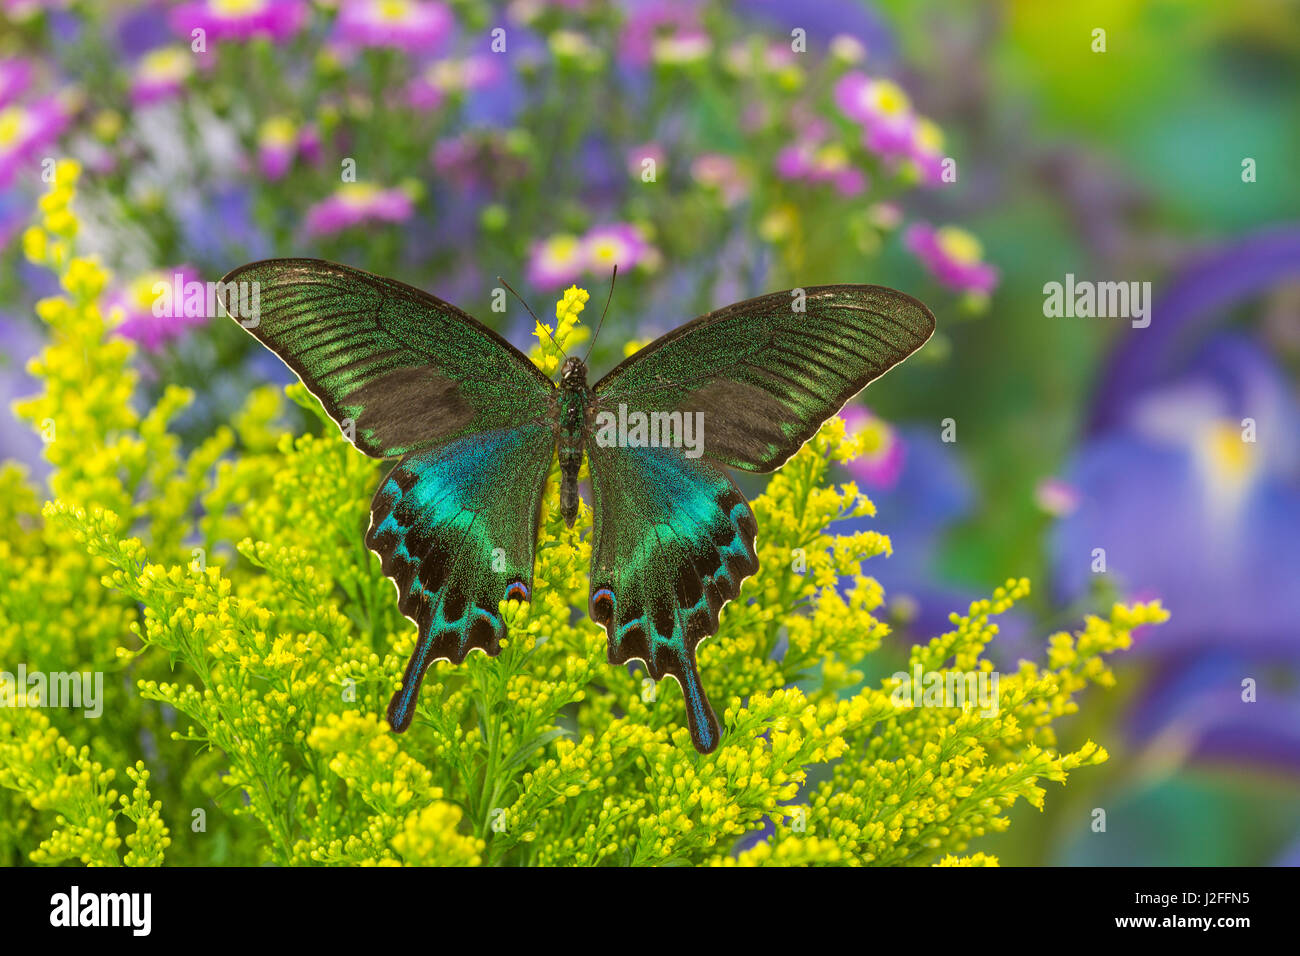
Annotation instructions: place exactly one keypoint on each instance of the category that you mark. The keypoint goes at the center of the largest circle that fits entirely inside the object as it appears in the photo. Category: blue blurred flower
(1190, 481)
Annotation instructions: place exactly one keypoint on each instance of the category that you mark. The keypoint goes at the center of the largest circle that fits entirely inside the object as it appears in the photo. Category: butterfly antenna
(533, 314)
(603, 313)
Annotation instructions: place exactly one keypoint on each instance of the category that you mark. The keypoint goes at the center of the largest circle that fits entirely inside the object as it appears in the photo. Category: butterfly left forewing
(397, 369)
(674, 539)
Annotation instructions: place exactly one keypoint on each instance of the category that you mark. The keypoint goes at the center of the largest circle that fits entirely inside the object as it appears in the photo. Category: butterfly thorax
(572, 402)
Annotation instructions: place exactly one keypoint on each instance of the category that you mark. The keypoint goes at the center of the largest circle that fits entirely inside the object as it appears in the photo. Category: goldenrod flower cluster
(249, 643)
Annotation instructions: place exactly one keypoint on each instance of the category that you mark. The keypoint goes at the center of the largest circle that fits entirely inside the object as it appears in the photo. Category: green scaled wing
(398, 369)
(766, 375)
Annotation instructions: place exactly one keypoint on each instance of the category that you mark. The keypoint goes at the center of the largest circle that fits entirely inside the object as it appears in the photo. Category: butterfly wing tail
(703, 723)
(402, 707)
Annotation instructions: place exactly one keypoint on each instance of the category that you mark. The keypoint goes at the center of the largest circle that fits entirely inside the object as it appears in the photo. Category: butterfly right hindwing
(674, 539)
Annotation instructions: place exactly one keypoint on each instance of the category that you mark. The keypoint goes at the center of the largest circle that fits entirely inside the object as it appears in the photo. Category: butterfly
(475, 425)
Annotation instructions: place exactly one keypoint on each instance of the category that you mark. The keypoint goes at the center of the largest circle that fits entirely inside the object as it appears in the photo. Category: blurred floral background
(968, 153)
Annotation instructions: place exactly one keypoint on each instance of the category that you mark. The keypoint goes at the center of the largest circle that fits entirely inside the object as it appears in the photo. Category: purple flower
(309, 145)
(15, 75)
(26, 130)
(953, 256)
(161, 75)
(357, 203)
(158, 307)
(410, 25)
(564, 257)
(1196, 504)
(1189, 478)
(277, 20)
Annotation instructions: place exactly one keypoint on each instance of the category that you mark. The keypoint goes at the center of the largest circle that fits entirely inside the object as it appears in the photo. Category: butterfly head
(573, 373)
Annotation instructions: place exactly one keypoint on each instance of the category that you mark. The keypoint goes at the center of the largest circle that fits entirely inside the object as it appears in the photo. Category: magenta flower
(821, 163)
(27, 130)
(277, 20)
(357, 203)
(882, 109)
(309, 145)
(160, 306)
(881, 464)
(15, 75)
(421, 94)
(410, 25)
(953, 256)
(161, 75)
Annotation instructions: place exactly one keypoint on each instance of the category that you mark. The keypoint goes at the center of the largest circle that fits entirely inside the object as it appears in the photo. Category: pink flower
(15, 75)
(881, 463)
(450, 76)
(562, 258)
(357, 203)
(161, 75)
(1056, 497)
(277, 20)
(637, 155)
(881, 107)
(662, 24)
(160, 306)
(553, 262)
(721, 172)
(26, 130)
(410, 25)
(618, 244)
(953, 256)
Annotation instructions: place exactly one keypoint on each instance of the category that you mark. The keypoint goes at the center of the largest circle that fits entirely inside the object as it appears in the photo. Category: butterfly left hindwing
(456, 528)
(455, 522)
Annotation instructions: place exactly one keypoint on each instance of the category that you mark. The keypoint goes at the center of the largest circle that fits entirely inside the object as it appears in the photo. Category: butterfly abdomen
(573, 401)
